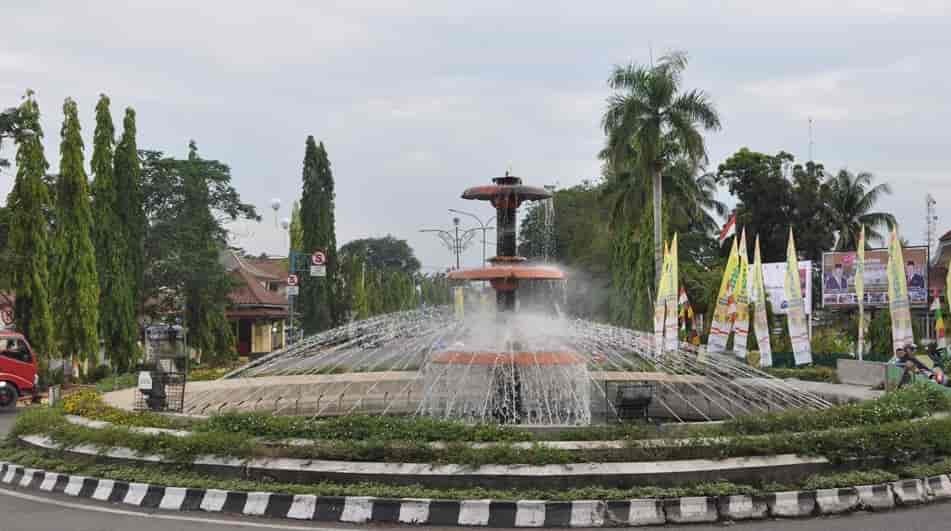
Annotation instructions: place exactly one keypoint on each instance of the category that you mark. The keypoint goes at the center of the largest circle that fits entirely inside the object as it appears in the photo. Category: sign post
(318, 264)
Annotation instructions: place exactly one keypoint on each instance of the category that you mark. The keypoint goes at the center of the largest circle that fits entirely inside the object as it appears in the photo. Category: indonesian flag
(729, 229)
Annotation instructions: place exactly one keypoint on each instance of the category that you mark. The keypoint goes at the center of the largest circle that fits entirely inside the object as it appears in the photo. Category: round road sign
(318, 258)
(292, 280)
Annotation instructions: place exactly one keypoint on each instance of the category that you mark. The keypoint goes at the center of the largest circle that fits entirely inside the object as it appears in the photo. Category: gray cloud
(418, 100)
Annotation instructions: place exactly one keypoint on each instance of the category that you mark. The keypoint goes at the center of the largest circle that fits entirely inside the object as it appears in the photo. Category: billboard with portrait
(838, 277)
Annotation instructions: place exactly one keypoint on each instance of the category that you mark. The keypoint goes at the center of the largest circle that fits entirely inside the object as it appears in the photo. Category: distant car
(18, 374)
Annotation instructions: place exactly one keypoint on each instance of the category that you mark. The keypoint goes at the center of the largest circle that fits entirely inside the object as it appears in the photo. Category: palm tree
(650, 119)
(851, 198)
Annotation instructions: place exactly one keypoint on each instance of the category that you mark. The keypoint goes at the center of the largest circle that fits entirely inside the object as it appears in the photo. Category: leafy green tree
(76, 284)
(186, 203)
(116, 305)
(649, 121)
(775, 194)
(852, 199)
(318, 304)
(28, 245)
(129, 206)
(387, 253)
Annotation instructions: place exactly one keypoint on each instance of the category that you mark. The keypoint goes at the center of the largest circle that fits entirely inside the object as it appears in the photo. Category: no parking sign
(318, 263)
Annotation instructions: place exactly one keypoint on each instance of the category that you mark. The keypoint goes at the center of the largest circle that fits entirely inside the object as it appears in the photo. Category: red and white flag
(729, 229)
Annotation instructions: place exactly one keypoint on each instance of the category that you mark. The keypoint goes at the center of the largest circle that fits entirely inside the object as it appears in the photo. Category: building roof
(250, 290)
(274, 268)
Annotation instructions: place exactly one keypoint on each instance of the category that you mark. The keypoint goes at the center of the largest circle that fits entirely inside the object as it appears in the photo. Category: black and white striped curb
(485, 513)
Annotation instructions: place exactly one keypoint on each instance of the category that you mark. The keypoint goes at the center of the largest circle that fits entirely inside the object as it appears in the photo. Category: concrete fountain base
(400, 392)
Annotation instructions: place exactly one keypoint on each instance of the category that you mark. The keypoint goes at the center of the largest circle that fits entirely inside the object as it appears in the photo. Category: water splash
(530, 368)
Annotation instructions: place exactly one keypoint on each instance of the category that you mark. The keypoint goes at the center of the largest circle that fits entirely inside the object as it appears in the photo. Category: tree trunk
(658, 232)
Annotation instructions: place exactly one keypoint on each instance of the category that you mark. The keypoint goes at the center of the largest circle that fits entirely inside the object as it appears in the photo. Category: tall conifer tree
(128, 176)
(28, 233)
(318, 305)
(116, 308)
(76, 286)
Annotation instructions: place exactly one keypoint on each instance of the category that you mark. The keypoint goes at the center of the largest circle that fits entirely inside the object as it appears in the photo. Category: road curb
(482, 513)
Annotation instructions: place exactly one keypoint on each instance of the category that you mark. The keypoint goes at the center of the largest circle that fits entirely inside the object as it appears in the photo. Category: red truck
(18, 373)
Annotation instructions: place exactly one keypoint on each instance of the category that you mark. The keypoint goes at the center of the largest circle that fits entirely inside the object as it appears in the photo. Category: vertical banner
(798, 329)
(671, 341)
(741, 324)
(898, 302)
(721, 325)
(459, 302)
(939, 329)
(761, 324)
(860, 289)
(660, 304)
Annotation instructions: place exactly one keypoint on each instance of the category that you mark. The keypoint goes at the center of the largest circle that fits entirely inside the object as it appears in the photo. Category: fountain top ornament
(506, 194)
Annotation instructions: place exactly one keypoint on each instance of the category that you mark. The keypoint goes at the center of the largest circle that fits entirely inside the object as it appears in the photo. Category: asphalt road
(25, 510)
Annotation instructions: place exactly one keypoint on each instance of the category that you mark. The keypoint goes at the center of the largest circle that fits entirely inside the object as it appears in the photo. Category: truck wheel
(8, 397)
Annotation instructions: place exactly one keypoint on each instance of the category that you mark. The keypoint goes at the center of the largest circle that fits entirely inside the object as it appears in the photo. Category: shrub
(809, 374)
(907, 403)
(88, 403)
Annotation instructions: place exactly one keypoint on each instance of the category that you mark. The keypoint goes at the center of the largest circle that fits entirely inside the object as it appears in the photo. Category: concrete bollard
(794, 504)
(742, 507)
(691, 510)
(876, 497)
(837, 501)
(910, 492)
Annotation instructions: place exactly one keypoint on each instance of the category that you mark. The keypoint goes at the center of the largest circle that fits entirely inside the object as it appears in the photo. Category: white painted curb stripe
(256, 503)
(213, 500)
(414, 511)
(474, 512)
(357, 509)
(103, 489)
(173, 499)
(529, 513)
(303, 507)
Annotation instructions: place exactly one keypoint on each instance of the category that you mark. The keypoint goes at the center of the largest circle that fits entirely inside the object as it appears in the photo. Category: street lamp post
(454, 240)
(484, 227)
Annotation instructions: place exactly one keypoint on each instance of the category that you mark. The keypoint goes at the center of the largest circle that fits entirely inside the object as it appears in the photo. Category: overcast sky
(417, 100)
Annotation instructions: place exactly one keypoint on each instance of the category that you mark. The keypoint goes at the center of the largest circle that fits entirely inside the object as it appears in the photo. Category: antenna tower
(931, 222)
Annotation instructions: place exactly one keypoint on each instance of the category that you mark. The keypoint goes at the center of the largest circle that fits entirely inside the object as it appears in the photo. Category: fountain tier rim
(517, 271)
(519, 359)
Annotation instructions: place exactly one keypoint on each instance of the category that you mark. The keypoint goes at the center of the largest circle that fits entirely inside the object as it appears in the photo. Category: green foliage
(770, 202)
(28, 202)
(319, 306)
(115, 382)
(383, 254)
(880, 336)
(295, 229)
(118, 327)
(831, 340)
(75, 280)
(187, 202)
(905, 404)
(650, 123)
(130, 208)
(807, 374)
(360, 427)
(89, 404)
(849, 479)
(852, 196)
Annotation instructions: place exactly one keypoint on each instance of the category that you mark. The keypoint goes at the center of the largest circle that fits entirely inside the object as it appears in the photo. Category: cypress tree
(28, 234)
(318, 305)
(117, 324)
(76, 286)
(207, 285)
(128, 178)
(296, 230)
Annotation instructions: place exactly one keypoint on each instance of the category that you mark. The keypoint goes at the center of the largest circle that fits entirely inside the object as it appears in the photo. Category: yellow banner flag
(721, 324)
(796, 313)
(860, 289)
(671, 341)
(758, 296)
(898, 304)
(741, 323)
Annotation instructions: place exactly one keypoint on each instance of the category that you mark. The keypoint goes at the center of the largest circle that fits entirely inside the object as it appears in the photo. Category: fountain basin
(521, 359)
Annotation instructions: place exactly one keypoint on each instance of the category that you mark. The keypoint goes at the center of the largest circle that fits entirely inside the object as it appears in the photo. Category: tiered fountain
(507, 364)
(509, 382)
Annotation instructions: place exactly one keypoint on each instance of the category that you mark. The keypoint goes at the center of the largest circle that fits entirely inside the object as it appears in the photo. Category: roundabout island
(501, 415)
